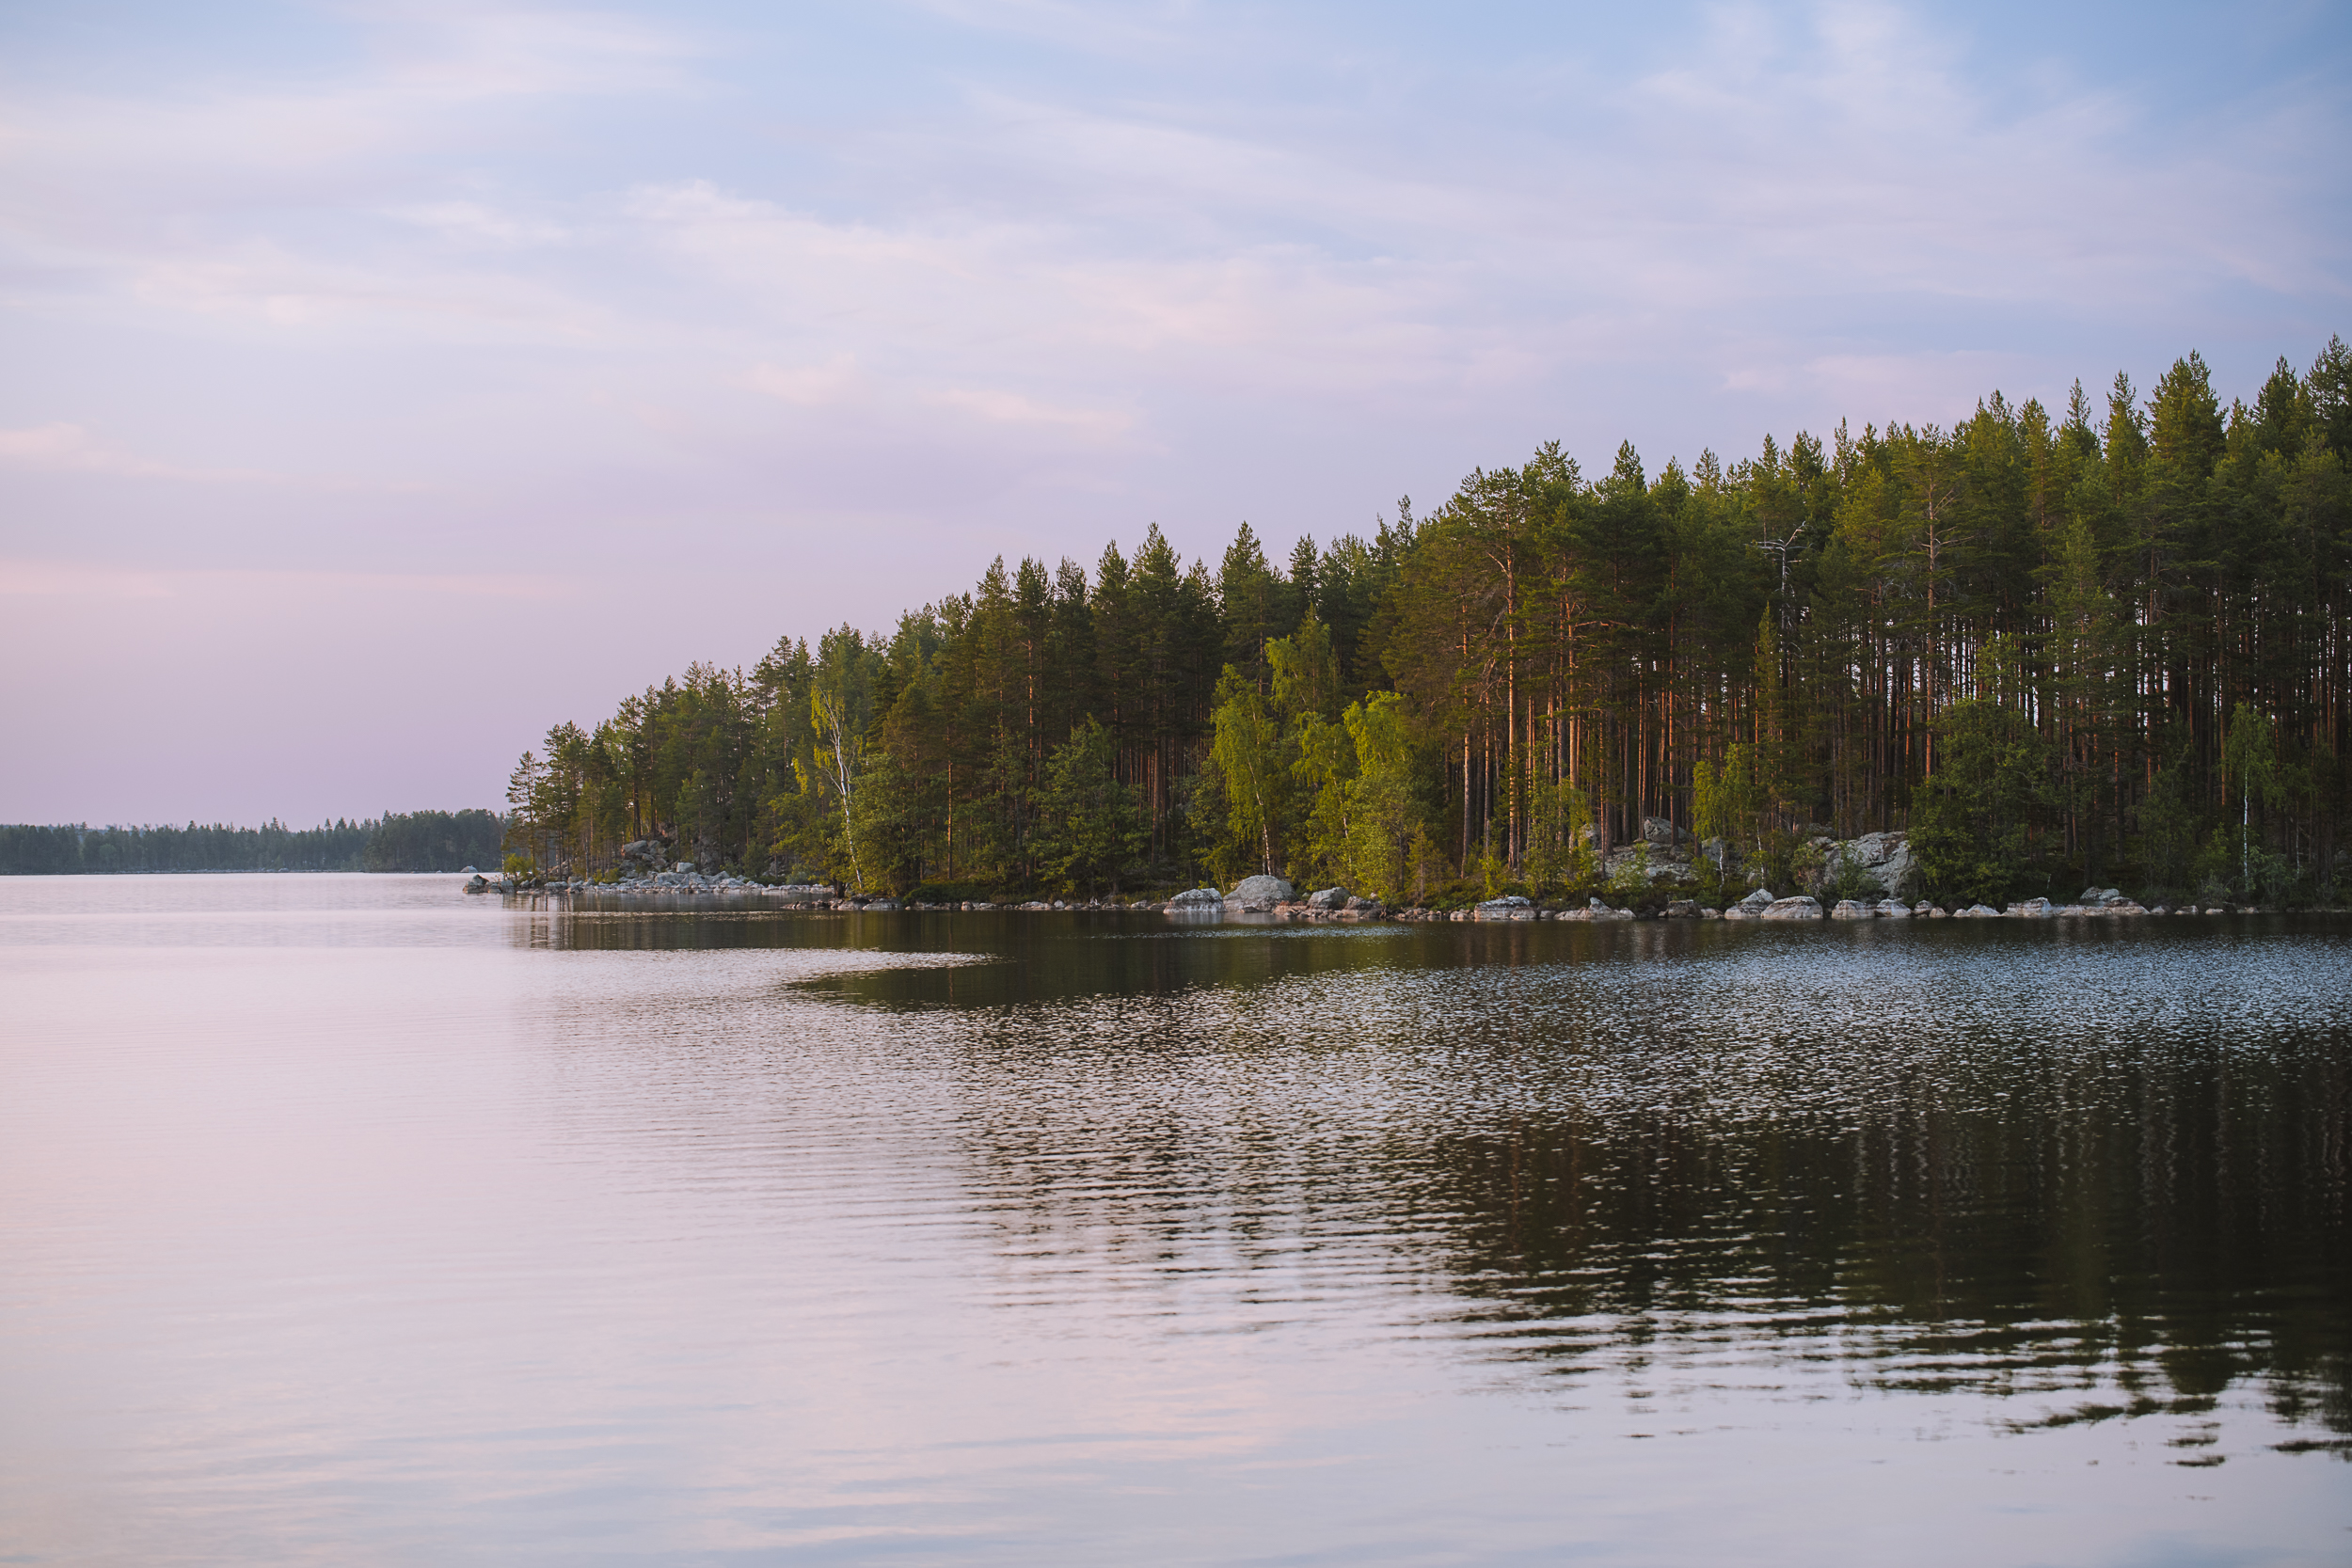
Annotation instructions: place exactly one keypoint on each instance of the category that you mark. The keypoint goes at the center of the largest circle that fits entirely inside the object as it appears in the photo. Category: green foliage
(1326, 775)
(432, 841)
(1090, 827)
(1389, 854)
(1972, 825)
(1631, 878)
(1253, 765)
(1770, 649)
(1306, 671)
(1559, 851)
(397, 841)
(2250, 758)
(949, 893)
(1809, 866)
(2167, 817)
(1727, 803)
(1844, 877)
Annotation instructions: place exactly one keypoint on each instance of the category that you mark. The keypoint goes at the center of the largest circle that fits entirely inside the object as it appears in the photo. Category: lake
(349, 1220)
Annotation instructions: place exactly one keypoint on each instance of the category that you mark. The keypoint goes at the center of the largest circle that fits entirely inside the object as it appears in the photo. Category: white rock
(1259, 891)
(1882, 859)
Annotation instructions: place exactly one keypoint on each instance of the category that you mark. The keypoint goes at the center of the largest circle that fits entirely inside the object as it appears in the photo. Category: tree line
(396, 841)
(2107, 642)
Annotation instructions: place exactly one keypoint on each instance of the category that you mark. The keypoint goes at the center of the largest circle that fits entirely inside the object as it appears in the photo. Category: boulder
(2032, 908)
(1509, 907)
(1851, 909)
(1758, 900)
(684, 868)
(1651, 863)
(1259, 893)
(1329, 898)
(1198, 898)
(1363, 906)
(1682, 909)
(1884, 861)
(1799, 908)
(1661, 834)
(1977, 911)
(1890, 909)
(477, 884)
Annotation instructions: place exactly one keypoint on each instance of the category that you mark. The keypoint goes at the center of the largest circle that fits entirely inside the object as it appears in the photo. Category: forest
(2105, 643)
(396, 841)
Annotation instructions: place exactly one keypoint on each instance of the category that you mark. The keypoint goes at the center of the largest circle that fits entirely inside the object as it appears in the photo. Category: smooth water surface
(349, 1220)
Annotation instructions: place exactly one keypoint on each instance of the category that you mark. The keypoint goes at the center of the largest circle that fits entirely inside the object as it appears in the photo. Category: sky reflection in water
(350, 1221)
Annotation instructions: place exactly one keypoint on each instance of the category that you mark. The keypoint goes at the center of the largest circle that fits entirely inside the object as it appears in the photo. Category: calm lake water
(348, 1220)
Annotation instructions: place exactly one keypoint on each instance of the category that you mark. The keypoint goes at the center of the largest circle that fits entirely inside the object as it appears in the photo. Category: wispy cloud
(72, 448)
(893, 289)
(1006, 408)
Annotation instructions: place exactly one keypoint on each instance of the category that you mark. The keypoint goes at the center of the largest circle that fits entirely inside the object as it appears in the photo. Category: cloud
(833, 382)
(470, 52)
(1125, 31)
(1004, 407)
(479, 222)
(72, 448)
(823, 306)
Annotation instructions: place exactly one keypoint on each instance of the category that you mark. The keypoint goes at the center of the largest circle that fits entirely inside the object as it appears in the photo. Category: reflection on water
(355, 1220)
(2110, 1174)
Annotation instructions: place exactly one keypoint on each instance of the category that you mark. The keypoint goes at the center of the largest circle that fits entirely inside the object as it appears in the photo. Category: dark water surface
(346, 1220)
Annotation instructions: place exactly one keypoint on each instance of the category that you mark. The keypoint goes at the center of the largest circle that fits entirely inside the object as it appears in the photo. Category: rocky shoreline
(1278, 899)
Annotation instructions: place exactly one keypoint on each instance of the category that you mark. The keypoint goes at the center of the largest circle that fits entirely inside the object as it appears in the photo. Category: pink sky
(384, 384)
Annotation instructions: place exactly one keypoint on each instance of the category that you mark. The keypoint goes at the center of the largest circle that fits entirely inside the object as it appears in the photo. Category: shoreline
(1800, 909)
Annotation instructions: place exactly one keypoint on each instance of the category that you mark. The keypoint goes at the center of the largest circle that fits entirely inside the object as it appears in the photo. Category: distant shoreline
(238, 871)
(416, 841)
